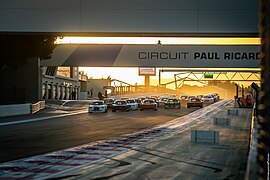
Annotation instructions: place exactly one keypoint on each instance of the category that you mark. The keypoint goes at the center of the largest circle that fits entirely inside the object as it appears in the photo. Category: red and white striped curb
(51, 164)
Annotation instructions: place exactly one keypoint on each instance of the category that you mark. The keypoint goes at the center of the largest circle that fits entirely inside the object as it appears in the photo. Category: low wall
(21, 109)
(15, 109)
(83, 96)
(37, 106)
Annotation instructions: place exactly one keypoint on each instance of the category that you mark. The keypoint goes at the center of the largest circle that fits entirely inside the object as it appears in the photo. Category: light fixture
(164, 40)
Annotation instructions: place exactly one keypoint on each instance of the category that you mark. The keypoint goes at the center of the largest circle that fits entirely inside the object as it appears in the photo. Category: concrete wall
(22, 84)
(97, 85)
(16, 109)
(59, 87)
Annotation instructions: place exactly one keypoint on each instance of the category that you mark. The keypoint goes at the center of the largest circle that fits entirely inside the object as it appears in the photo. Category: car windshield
(148, 101)
(97, 103)
(120, 102)
(138, 101)
(108, 100)
(130, 101)
(195, 100)
(172, 100)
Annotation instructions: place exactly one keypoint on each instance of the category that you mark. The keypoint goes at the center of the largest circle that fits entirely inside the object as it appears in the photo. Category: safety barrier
(37, 106)
(204, 136)
(252, 166)
(21, 109)
(15, 109)
(222, 121)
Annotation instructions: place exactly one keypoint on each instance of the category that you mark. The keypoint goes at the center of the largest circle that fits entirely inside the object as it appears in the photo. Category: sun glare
(162, 40)
(130, 75)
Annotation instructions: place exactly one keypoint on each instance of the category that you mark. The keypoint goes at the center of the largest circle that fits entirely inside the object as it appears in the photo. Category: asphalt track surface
(48, 132)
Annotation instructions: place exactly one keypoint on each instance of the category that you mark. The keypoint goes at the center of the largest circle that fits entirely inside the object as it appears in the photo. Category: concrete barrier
(15, 109)
(232, 111)
(37, 106)
(222, 121)
(204, 136)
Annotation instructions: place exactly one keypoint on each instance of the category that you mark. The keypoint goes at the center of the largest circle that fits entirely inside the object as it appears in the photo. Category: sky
(130, 75)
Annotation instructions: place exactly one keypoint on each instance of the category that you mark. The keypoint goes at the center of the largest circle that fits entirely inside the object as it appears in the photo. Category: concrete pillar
(46, 90)
(70, 92)
(65, 92)
(53, 91)
(62, 95)
(78, 92)
(57, 92)
(43, 91)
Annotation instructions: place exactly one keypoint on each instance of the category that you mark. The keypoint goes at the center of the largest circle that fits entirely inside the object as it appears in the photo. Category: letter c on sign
(163, 55)
(142, 55)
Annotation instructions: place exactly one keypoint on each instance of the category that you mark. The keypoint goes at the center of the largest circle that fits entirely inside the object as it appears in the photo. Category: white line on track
(40, 119)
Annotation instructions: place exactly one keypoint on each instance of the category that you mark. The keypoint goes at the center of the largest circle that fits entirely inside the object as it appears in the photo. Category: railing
(122, 90)
(37, 106)
(252, 166)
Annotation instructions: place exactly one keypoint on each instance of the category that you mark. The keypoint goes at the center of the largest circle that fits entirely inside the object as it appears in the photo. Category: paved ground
(176, 157)
(56, 129)
(163, 152)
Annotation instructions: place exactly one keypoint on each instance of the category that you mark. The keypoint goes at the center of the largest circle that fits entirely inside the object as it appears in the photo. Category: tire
(141, 109)
(188, 107)
(113, 110)
(155, 109)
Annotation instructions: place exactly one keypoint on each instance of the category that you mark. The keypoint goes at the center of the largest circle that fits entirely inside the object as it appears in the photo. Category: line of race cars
(153, 102)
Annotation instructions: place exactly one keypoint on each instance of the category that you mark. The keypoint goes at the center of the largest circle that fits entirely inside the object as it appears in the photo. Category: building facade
(60, 83)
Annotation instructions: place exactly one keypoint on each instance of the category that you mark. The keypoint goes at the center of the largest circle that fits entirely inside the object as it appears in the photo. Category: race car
(97, 106)
(109, 102)
(172, 103)
(162, 100)
(120, 105)
(148, 104)
(195, 102)
(132, 104)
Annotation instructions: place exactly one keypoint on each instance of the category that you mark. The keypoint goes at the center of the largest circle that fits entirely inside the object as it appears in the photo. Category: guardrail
(37, 106)
(252, 167)
(21, 109)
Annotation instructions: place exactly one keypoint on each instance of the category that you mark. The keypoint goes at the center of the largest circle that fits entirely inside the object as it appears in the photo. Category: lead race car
(97, 106)
(132, 104)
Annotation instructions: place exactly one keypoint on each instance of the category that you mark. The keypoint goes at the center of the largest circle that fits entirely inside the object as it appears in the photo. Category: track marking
(40, 119)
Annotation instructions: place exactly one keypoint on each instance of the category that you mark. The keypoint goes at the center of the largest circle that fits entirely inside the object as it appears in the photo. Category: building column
(62, 95)
(53, 91)
(43, 91)
(57, 91)
(66, 93)
(46, 90)
(78, 93)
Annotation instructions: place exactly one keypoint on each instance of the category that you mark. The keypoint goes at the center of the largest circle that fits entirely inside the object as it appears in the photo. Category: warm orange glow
(130, 75)
(163, 40)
